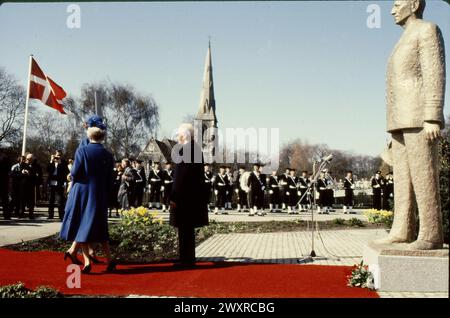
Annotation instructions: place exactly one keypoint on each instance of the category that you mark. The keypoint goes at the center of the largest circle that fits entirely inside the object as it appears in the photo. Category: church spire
(207, 109)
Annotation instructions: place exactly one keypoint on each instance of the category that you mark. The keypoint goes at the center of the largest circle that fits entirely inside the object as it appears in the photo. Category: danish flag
(45, 89)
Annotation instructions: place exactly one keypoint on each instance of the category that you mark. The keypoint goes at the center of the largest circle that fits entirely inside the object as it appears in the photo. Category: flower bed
(379, 216)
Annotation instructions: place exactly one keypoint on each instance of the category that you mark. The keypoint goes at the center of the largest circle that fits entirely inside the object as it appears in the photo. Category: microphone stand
(312, 255)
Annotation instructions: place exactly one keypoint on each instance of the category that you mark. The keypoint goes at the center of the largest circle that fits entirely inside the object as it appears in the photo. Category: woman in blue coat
(86, 214)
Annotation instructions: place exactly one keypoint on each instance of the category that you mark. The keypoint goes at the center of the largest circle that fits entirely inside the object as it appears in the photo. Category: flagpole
(24, 143)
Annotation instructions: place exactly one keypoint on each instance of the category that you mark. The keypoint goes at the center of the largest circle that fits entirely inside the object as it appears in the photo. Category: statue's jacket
(416, 78)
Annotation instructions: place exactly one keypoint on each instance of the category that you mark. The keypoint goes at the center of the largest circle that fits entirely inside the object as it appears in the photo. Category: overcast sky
(312, 69)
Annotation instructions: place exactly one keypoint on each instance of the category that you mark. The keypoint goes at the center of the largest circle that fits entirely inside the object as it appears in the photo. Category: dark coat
(86, 213)
(188, 192)
(61, 174)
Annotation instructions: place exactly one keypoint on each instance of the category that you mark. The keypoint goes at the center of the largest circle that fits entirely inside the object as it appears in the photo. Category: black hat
(257, 164)
(222, 166)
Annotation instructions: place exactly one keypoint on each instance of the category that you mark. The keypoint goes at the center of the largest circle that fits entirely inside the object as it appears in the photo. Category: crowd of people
(136, 184)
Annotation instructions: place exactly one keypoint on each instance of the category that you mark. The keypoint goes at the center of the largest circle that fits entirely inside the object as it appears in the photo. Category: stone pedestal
(397, 269)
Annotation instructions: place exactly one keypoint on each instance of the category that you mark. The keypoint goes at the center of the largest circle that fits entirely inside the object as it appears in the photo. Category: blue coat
(86, 213)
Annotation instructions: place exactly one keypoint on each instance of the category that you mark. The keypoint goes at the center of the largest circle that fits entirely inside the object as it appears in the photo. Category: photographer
(57, 175)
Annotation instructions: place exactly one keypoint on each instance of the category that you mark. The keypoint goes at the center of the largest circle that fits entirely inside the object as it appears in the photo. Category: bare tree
(301, 155)
(132, 118)
(12, 108)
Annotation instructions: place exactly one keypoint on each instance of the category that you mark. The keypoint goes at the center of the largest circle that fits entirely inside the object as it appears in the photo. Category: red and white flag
(45, 89)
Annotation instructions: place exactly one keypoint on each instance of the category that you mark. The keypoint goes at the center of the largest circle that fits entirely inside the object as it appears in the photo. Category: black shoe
(111, 267)
(74, 259)
(86, 269)
(94, 260)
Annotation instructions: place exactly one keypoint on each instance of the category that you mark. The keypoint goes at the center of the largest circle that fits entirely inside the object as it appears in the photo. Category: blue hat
(96, 121)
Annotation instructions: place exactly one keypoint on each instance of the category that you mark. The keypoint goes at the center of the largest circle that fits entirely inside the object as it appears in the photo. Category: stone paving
(332, 247)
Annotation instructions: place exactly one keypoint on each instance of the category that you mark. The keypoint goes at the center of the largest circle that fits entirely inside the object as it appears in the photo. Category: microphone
(326, 158)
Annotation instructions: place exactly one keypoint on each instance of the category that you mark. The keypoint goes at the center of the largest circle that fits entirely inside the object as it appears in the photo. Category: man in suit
(188, 201)
(32, 174)
(17, 176)
(57, 173)
(377, 187)
(415, 90)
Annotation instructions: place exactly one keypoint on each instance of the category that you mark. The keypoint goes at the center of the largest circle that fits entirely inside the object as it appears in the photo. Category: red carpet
(215, 280)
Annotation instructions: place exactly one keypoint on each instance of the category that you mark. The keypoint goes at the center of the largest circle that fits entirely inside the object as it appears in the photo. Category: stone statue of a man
(415, 100)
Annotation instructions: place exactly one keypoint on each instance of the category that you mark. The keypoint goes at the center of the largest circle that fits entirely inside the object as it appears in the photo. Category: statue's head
(404, 9)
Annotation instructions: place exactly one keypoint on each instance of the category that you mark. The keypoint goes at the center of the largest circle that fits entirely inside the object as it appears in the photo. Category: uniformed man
(241, 195)
(256, 191)
(4, 185)
(292, 191)
(377, 188)
(156, 182)
(330, 191)
(284, 189)
(388, 192)
(322, 186)
(220, 190)
(141, 182)
(229, 187)
(349, 187)
(274, 191)
(167, 184)
(303, 185)
(208, 183)
(265, 190)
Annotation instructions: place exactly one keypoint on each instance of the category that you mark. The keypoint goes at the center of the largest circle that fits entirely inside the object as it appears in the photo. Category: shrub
(444, 179)
(20, 291)
(355, 222)
(142, 236)
(339, 221)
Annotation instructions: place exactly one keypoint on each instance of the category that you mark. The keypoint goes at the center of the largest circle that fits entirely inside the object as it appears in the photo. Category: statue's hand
(432, 131)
